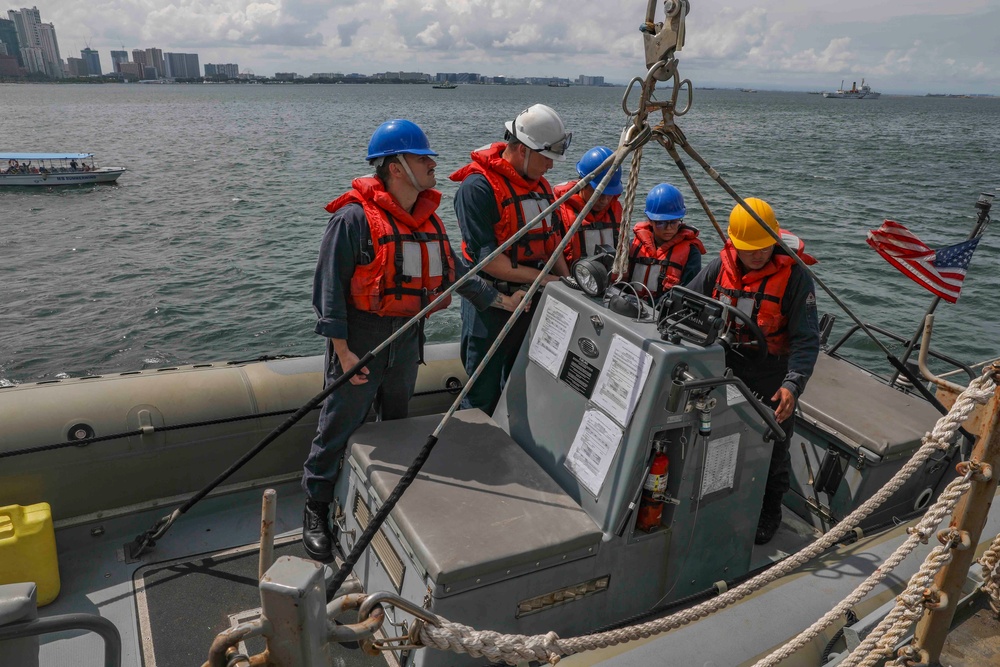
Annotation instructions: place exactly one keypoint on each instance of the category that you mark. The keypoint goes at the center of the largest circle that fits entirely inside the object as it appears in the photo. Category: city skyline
(916, 47)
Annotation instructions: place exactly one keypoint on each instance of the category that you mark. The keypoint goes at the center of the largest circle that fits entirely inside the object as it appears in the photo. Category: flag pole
(983, 205)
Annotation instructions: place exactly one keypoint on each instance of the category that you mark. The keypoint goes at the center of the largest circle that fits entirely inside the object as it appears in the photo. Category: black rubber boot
(767, 526)
(317, 538)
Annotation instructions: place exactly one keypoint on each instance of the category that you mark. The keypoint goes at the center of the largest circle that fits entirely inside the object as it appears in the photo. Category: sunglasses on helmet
(558, 147)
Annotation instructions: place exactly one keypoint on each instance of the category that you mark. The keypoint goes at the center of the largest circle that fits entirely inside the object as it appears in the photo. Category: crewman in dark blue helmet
(665, 251)
(384, 257)
(600, 227)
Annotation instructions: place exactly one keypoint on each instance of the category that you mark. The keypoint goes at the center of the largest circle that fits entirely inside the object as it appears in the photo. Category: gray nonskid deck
(97, 580)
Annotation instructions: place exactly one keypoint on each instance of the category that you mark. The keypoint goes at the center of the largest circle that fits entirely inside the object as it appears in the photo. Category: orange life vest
(763, 290)
(596, 229)
(412, 257)
(660, 267)
(519, 202)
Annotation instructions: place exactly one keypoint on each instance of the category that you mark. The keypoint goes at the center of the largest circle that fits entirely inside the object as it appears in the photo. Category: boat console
(622, 468)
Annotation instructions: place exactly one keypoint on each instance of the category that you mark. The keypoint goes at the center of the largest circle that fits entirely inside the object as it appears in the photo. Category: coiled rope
(548, 648)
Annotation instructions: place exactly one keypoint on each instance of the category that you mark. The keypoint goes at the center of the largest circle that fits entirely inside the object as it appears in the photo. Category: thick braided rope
(990, 561)
(882, 641)
(620, 266)
(918, 534)
(545, 648)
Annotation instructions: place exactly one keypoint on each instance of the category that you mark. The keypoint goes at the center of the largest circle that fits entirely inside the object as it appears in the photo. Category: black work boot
(767, 526)
(317, 538)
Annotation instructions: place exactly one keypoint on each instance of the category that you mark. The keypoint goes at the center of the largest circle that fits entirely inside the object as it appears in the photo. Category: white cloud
(767, 42)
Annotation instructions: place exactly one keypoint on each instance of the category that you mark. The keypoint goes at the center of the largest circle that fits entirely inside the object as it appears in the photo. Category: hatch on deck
(476, 481)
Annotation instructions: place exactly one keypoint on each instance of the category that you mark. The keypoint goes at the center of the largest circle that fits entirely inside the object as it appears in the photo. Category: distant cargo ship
(863, 93)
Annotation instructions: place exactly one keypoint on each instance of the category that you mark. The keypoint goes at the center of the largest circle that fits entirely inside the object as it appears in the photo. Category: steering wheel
(756, 349)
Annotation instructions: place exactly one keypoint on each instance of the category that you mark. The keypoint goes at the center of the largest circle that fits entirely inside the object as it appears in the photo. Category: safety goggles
(668, 223)
(559, 147)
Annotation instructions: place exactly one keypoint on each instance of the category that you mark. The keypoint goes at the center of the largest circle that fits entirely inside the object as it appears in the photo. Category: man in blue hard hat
(665, 251)
(384, 257)
(600, 227)
(502, 190)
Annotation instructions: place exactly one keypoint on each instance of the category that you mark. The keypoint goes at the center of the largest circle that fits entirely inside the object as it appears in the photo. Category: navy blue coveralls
(392, 374)
(791, 372)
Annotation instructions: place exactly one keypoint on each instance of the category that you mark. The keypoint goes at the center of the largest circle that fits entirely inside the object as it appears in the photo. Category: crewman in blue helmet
(384, 257)
(600, 227)
(665, 251)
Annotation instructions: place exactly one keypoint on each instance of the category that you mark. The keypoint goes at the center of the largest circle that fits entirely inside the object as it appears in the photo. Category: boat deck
(200, 579)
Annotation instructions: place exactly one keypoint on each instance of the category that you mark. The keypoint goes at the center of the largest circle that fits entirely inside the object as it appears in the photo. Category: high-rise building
(93, 61)
(33, 60)
(33, 34)
(50, 47)
(139, 56)
(8, 35)
(77, 67)
(117, 58)
(9, 66)
(130, 70)
(229, 70)
(182, 65)
(154, 57)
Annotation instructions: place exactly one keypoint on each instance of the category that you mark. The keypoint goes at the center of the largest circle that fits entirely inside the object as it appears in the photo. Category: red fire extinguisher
(653, 493)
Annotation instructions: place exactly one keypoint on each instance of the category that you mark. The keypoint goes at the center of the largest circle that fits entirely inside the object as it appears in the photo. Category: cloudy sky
(900, 46)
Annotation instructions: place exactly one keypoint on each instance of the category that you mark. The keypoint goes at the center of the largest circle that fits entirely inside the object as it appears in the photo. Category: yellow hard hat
(745, 232)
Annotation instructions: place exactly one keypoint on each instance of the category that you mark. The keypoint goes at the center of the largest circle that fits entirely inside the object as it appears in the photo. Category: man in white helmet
(502, 190)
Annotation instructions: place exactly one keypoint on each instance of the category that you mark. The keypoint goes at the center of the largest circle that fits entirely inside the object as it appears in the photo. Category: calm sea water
(206, 248)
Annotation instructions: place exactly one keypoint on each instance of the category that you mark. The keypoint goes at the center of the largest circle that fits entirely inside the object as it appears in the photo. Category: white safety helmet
(541, 129)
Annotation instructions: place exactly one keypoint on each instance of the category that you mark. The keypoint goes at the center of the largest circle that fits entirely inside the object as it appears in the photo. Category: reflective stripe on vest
(596, 235)
(759, 294)
(518, 201)
(411, 258)
(669, 258)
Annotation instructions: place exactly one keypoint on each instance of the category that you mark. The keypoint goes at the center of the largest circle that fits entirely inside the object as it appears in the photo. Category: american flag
(939, 271)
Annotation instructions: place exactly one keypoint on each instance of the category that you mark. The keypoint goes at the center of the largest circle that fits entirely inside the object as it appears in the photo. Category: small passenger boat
(46, 169)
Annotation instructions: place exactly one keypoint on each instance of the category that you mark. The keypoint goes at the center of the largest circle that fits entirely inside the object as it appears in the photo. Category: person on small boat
(759, 278)
(73, 164)
(384, 257)
(600, 227)
(664, 252)
(502, 190)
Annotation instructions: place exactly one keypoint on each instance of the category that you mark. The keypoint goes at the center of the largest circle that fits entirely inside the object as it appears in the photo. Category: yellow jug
(28, 549)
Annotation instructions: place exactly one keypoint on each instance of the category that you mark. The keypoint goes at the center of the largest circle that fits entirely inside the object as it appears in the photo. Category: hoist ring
(690, 96)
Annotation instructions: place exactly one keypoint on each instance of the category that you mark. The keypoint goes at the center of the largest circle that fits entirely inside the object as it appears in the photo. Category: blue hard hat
(665, 202)
(593, 159)
(398, 136)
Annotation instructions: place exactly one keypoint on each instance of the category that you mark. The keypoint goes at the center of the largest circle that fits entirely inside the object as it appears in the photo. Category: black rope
(146, 539)
(383, 512)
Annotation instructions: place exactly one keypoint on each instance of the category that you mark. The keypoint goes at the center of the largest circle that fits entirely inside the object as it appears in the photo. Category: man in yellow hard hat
(757, 277)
